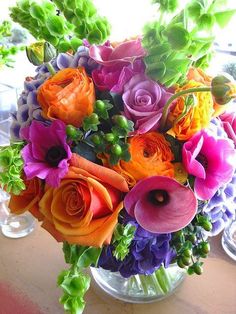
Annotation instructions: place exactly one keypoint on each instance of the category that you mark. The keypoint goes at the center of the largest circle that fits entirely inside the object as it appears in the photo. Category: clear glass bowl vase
(140, 288)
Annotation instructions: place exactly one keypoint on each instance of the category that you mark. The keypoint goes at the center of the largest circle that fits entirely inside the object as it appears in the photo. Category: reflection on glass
(13, 226)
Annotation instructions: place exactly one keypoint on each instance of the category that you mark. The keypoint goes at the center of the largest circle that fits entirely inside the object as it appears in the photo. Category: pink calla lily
(161, 204)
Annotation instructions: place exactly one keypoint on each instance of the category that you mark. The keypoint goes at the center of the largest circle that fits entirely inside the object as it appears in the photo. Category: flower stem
(50, 68)
(175, 96)
(163, 279)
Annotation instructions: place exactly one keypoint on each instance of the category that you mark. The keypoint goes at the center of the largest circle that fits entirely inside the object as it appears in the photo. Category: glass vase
(228, 239)
(140, 288)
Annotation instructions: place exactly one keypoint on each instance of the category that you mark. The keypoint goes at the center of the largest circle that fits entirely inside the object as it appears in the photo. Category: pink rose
(228, 120)
(118, 64)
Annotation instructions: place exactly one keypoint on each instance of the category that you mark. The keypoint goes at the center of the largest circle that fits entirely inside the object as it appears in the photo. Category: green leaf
(224, 17)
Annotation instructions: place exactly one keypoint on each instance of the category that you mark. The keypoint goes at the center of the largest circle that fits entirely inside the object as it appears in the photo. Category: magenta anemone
(161, 204)
(211, 160)
(46, 155)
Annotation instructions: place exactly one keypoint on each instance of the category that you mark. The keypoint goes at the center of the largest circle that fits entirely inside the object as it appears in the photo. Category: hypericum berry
(96, 139)
(204, 247)
(187, 253)
(197, 268)
(204, 223)
(109, 137)
(121, 121)
(180, 263)
(186, 260)
(116, 149)
(71, 131)
(93, 119)
(100, 105)
(192, 238)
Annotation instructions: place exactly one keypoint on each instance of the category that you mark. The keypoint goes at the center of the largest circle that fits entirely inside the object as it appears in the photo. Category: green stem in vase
(163, 279)
(175, 96)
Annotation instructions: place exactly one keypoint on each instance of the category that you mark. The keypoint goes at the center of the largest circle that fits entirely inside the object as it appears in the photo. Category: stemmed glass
(12, 226)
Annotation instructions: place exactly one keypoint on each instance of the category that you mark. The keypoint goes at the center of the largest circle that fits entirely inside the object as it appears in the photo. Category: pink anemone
(211, 160)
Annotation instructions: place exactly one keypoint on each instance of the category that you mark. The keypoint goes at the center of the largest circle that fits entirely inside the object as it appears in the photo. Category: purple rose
(117, 64)
(144, 100)
(229, 123)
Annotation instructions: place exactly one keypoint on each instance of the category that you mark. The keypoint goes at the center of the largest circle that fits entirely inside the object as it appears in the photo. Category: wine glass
(12, 226)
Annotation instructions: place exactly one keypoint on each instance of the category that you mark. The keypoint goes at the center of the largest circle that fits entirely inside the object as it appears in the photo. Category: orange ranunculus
(151, 155)
(28, 199)
(84, 209)
(198, 116)
(198, 75)
(69, 96)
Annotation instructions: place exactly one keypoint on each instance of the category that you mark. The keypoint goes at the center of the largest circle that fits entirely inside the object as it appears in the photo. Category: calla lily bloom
(211, 160)
(161, 204)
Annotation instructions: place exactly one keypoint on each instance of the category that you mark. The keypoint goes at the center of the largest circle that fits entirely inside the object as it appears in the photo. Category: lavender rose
(144, 100)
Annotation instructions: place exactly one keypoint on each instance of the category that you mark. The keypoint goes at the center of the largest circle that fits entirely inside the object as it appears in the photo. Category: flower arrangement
(124, 151)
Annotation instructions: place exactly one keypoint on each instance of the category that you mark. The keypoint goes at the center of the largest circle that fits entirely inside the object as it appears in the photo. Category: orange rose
(151, 155)
(28, 199)
(69, 96)
(198, 116)
(198, 75)
(84, 209)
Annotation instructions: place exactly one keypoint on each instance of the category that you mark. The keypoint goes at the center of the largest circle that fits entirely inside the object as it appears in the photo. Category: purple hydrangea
(147, 252)
(28, 106)
(222, 207)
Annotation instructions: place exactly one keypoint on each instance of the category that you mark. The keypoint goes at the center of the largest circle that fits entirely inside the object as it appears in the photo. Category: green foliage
(77, 19)
(11, 168)
(74, 282)
(167, 5)
(6, 51)
(182, 38)
(122, 238)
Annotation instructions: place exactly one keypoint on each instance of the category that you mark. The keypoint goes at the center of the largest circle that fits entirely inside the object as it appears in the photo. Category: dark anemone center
(54, 155)
(203, 160)
(159, 197)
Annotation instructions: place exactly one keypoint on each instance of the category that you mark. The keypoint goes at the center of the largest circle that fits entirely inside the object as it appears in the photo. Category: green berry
(96, 139)
(192, 238)
(116, 149)
(71, 131)
(121, 121)
(204, 247)
(197, 269)
(100, 105)
(187, 253)
(180, 263)
(190, 270)
(93, 119)
(109, 137)
(186, 260)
